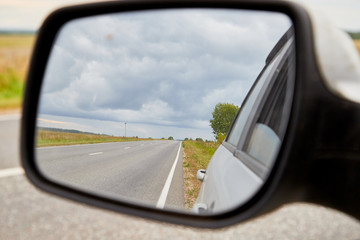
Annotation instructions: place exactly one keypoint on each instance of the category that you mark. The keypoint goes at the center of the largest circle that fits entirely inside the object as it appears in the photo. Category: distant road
(127, 170)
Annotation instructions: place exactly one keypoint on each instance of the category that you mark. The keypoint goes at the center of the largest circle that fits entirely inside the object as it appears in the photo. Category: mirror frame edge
(263, 201)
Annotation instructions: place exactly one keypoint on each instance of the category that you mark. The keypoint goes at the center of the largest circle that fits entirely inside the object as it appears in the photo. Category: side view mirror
(200, 175)
(126, 101)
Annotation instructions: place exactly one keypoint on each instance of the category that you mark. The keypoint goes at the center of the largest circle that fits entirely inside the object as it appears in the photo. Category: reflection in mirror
(134, 104)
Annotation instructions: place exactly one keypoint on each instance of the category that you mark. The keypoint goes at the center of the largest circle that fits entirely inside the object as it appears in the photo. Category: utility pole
(125, 129)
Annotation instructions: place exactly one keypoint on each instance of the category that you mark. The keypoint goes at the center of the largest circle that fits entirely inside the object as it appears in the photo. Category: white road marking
(10, 117)
(127, 147)
(162, 199)
(97, 153)
(9, 172)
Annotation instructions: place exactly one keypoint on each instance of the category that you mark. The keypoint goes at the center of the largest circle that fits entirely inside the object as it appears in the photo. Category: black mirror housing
(318, 161)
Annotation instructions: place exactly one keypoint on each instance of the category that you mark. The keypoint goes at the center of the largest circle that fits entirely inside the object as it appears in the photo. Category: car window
(264, 144)
(245, 111)
(256, 134)
(267, 132)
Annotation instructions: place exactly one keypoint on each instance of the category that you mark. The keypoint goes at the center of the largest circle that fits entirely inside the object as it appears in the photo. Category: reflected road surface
(124, 170)
(28, 213)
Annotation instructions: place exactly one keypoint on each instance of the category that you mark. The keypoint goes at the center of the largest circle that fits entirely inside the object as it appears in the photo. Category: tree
(222, 117)
(170, 138)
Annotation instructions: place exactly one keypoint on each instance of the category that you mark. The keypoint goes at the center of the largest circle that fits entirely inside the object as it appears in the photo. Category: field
(15, 51)
(197, 155)
(58, 138)
(357, 44)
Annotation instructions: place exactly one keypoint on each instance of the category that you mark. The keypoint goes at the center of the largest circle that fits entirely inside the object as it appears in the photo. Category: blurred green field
(47, 138)
(15, 53)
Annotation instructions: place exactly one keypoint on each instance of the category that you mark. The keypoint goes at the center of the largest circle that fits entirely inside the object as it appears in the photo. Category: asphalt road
(134, 171)
(27, 213)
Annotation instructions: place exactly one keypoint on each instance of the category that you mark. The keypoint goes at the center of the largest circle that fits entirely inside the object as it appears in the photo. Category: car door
(242, 162)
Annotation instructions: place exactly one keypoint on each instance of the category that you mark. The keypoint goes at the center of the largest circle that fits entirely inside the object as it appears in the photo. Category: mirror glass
(134, 104)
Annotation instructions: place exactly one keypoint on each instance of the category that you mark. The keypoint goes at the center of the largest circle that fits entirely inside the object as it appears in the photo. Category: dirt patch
(191, 184)
(357, 44)
(10, 111)
(196, 155)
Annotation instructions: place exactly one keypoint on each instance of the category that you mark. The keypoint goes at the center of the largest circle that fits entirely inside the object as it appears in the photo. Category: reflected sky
(161, 72)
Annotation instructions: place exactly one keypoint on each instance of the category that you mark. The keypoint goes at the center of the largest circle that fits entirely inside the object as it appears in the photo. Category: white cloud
(158, 68)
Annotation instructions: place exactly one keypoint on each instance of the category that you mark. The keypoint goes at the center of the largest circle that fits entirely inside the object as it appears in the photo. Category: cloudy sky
(166, 77)
(161, 72)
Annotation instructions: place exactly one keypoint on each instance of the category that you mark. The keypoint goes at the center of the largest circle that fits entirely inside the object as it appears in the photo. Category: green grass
(56, 138)
(200, 152)
(197, 155)
(11, 89)
(15, 53)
